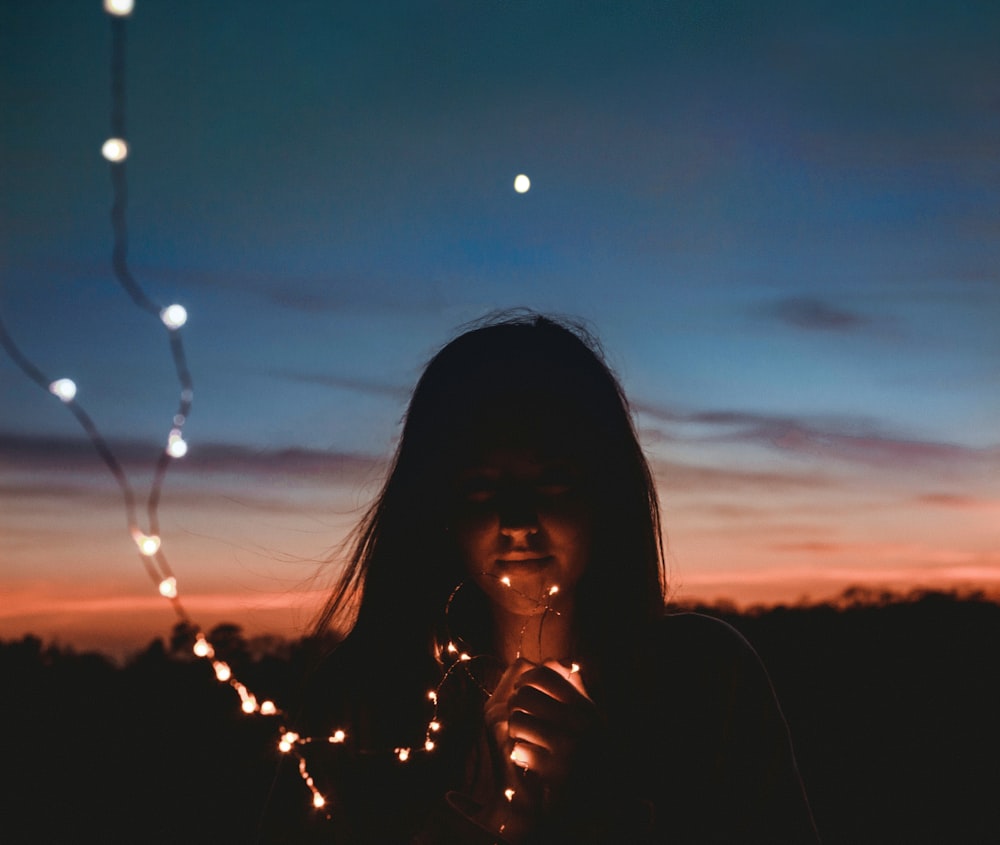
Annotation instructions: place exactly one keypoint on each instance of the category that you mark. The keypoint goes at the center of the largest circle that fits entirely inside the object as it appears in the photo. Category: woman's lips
(526, 560)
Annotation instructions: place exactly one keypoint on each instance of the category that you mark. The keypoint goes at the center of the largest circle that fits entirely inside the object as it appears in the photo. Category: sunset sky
(781, 218)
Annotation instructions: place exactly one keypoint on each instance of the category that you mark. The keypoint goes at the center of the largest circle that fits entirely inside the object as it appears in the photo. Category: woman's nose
(518, 515)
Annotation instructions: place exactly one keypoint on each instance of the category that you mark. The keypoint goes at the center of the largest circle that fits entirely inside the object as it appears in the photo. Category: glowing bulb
(64, 388)
(509, 794)
(318, 800)
(168, 587)
(115, 150)
(119, 8)
(202, 647)
(149, 544)
(267, 708)
(403, 754)
(574, 668)
(249, 705)
(517, 755)
(522, 184)
(464, 656)
(435, 726)
(553, 589)
(429, 744)
(452, 649)
(338, 736)
(176, 445)
(505, 580)
(432, 695)
(174, 316)
(222, 671)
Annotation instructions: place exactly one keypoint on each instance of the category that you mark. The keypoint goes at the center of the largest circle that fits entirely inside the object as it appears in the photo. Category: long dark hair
(402, 567)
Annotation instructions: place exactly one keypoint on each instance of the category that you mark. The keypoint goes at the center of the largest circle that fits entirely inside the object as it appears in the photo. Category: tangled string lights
(451, 656)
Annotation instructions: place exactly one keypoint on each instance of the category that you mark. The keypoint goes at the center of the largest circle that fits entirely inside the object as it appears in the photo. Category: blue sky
(782, 219)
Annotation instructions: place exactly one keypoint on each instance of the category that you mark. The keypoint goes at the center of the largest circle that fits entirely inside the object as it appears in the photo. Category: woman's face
(522, 525)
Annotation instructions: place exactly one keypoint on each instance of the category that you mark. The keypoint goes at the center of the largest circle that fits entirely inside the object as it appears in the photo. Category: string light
(64, 389)
(176, 444)
(115, 150)
(202, 647)
(149, 544)
(119, 8)
(174, 316)
(168, 587)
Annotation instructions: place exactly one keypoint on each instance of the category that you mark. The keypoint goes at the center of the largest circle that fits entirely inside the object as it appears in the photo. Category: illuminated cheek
(475, 537)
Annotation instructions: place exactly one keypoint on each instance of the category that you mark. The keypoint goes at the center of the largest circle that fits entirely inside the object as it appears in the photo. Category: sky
(781, 218)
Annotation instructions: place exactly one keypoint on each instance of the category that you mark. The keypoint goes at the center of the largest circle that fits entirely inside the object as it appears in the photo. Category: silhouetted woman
(511, 675)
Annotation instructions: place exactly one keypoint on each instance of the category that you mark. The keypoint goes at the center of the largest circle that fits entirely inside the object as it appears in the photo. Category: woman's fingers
(564, 683)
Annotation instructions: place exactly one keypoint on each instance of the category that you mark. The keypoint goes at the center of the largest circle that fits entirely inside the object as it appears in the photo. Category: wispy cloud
(692, 477)
(960, 502)
(855, 441)
(814, 314)
(26, 452)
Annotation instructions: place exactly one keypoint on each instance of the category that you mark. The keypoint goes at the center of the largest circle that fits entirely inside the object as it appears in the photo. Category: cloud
(28, 452)
(813, 314)
(691, 477)
(951, 500)
(852, 441)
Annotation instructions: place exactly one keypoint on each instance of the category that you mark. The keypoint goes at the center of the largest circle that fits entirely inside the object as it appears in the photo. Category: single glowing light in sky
(119, 8)
(168, 587)
(176, 445)
(64, 388)
(115, 149)
(174, 316)
(522, 184)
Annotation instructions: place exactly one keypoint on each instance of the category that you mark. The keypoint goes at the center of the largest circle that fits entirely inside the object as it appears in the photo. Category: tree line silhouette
(893, 702)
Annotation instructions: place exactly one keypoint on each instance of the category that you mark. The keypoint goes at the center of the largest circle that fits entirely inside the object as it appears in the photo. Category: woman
(511, 675)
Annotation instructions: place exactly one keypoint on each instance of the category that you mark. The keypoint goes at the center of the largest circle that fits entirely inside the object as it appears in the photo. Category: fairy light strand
(173, 317)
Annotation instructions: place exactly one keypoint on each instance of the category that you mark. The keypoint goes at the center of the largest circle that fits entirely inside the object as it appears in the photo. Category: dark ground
(892, 702)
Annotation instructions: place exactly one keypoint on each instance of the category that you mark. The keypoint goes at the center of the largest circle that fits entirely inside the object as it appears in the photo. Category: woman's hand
(542, 723)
